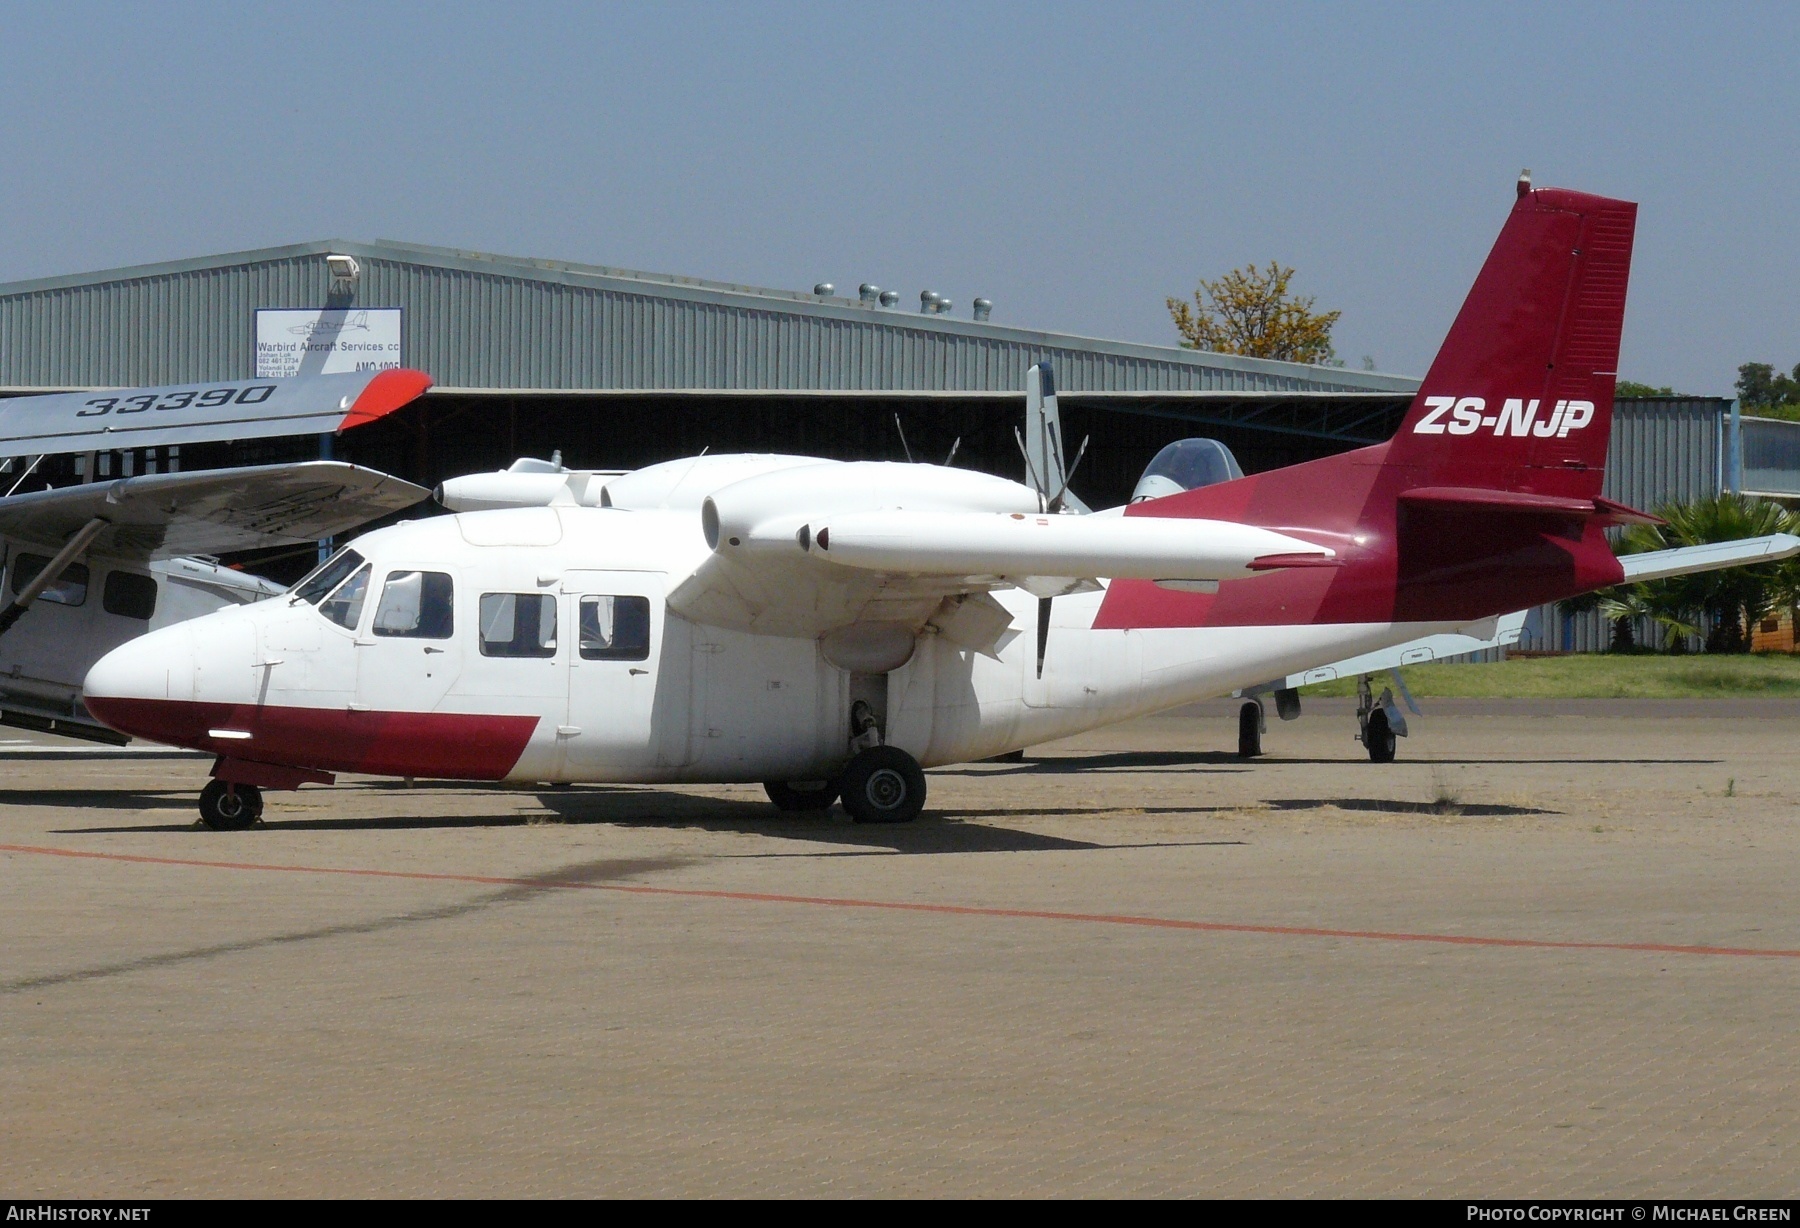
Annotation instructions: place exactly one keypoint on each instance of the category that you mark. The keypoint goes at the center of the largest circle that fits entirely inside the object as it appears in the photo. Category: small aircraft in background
(831, 628)
(92, 565)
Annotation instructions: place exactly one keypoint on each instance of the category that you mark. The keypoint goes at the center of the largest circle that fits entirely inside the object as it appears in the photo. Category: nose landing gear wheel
(1378, 737)
(884, 784)
(801, 795)
(226, 807)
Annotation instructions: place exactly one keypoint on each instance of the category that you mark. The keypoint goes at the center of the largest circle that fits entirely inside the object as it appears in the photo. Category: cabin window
(615, 628)
(129, 595)
(70, 588)
(344, 606)
(518, 625)
(416, 605)
(327, 576)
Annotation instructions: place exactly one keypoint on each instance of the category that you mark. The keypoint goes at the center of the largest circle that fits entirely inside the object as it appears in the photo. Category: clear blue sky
(1075, 164)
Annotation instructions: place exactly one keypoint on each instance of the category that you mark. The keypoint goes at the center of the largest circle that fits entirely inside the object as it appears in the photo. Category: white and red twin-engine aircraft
(828, 628)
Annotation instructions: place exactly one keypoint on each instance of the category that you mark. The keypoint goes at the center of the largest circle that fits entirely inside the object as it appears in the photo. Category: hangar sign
(311, 341)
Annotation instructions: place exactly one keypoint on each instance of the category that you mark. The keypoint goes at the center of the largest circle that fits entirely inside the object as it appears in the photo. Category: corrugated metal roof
(482, 321)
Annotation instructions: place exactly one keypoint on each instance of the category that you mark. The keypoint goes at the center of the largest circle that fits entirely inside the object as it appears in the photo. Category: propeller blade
(1043, 631)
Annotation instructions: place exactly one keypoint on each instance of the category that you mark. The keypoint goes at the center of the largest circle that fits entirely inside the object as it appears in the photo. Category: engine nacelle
(528, 483)
(773, 510)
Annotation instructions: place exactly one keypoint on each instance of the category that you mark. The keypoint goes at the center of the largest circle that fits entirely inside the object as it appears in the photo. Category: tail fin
(1520, 395)
(1488, 498)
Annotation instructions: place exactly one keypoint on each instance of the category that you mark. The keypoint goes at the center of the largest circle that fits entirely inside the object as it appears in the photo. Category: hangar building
(619, 368)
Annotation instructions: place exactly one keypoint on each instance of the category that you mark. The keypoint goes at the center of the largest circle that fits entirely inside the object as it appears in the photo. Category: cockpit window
(328, 575)
(70, 588)
(1187, 464)
(344, 606)
(1193, 463)
(416, 605)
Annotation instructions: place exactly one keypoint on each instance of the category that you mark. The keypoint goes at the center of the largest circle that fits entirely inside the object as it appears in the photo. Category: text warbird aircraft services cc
(828, 628)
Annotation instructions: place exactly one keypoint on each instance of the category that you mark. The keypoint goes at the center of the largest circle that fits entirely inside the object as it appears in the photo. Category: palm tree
(1728, 601)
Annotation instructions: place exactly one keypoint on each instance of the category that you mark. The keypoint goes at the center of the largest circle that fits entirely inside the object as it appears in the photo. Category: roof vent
(942, 304)
(869, 293)
(824, 289)
(984, 307)
(928, 301)
(890, 297)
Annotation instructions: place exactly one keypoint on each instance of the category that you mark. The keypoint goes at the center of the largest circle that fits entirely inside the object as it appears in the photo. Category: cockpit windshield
(327, 576)
(1187, 464)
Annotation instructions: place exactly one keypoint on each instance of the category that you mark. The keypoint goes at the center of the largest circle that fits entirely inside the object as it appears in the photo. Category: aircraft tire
(226, 807)
(1379, 737)
(884, 784)
(786, 797)
(1249, 731)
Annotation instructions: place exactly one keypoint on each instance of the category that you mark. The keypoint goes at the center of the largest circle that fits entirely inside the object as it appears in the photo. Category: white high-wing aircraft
(830, 628)
(92, 565)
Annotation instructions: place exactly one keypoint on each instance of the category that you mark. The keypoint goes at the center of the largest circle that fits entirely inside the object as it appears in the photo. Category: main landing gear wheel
(1250, 723)
(802, 794)
(1378, 737)
(884, 784)
(227, 807)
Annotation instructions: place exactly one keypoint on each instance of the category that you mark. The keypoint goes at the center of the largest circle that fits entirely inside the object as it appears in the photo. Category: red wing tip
(1278, 562)
(388, 391)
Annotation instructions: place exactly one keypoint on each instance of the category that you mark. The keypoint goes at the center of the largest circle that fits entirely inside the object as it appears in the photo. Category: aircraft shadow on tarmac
(526, 888)
(1379, 805)
(1164, 760)
(935, 831)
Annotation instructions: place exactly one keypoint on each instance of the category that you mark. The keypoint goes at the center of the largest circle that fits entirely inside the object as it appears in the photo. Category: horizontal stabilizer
(1494, 633)
(209, 511)
(1660, 564)
(1015, 544)
(203, 413)
(1518, 502)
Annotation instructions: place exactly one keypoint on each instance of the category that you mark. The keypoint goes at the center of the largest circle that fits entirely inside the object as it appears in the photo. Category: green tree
(1764, 392)
(1249, 311)
(1631, 388)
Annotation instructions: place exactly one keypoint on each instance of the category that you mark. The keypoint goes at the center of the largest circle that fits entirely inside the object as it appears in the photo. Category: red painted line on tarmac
(954, 910)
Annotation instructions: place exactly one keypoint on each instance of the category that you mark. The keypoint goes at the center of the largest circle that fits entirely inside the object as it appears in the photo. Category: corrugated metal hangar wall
(618, 368)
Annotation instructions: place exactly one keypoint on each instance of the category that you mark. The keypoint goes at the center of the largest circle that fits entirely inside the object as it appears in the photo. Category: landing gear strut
(1380, 723)
(884, 784)
(229, 807)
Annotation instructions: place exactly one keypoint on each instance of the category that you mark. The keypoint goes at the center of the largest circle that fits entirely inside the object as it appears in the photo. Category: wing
(1490, 633)
(202, 413)
(795, 575)
(167, 515)
(1660, 564)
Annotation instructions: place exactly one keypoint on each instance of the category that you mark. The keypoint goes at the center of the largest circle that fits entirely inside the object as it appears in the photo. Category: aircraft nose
(129, 688)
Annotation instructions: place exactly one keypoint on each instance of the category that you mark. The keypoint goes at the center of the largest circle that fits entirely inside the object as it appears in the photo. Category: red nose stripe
(452, 745)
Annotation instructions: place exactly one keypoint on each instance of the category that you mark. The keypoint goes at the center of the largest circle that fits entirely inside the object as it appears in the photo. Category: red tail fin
(1487, 500)
(1520, 394)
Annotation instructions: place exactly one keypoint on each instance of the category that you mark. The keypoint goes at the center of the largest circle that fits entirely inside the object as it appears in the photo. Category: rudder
(1520, 395)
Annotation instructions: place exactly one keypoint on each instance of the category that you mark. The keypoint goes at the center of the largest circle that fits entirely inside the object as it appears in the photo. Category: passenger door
(617, 721)
(409, 656)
